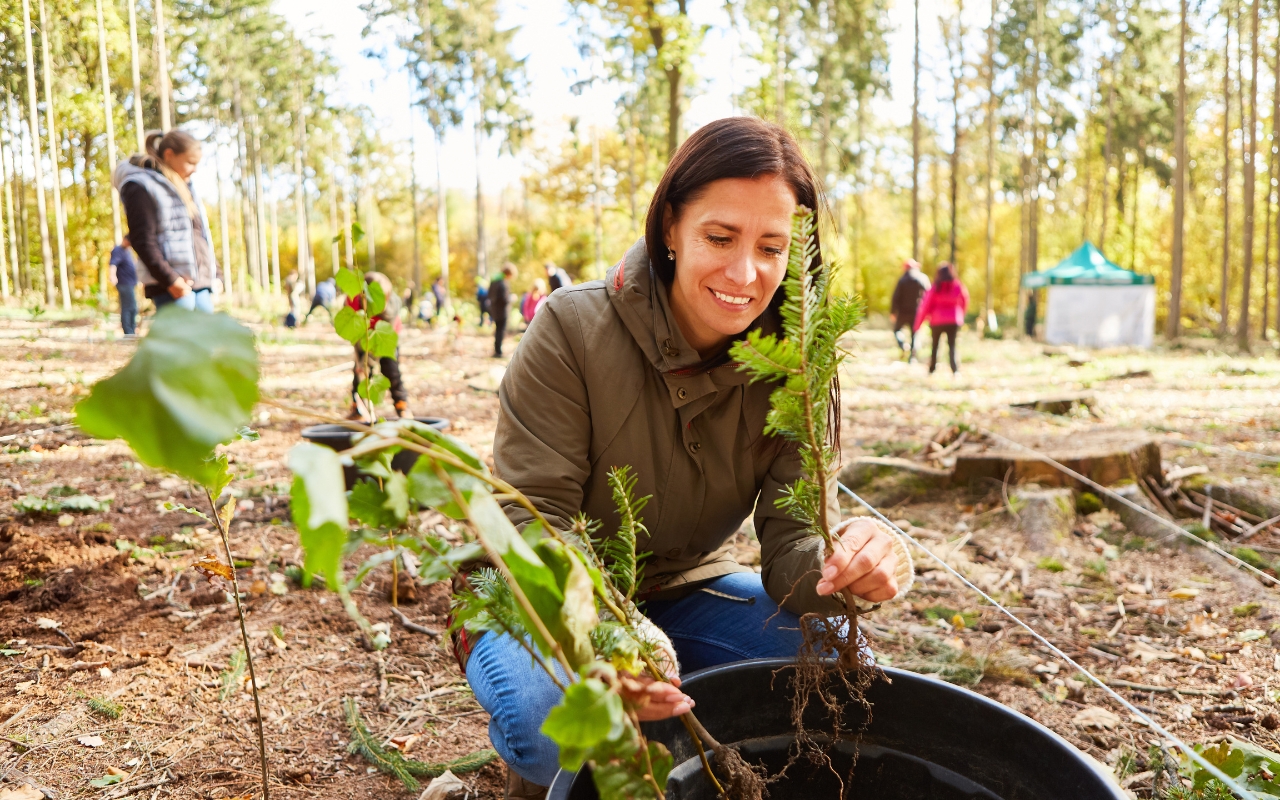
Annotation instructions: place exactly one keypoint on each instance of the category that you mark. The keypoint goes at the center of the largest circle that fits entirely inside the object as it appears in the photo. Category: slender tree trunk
(936, 238)
(989, 299)
(248, 224)
(597, 210)
(1133, 227)
(859, 196)
(915, 139)
(223, 223)
(108, 114)
(1224, 282)
(162, 67)
(413, 194)
(139, 128)
(780, 65)
(17, 130)
(371, 223)
(482, 262)
(1106, 158)
(4, 253)
(442, 217)
(1037, 164)
(260, 206)
(674, 75)
(46, 249)
(275, 243)
(1243, 332)
(956, 75)
(335, 254)
(10, 178)
(59, 218)
(306, 267)
(347, 239)
(1174, 320)
(1271, 172)
(631, 173)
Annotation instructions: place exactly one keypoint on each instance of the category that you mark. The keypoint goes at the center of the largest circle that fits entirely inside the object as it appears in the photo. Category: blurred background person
(944, 306)
(905, 303)
(124, 275)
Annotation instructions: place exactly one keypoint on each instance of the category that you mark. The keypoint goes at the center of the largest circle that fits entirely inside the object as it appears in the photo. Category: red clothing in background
(944, 304)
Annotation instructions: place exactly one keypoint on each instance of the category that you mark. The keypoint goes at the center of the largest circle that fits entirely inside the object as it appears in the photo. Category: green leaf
(319, 505)
(248, 434)
(376, 298)
(349, 282)
(588, 717)
(397, 489)
(350, 324)
(27, 504)
(368, 505)
(106, 780)
(191, 384)
(357, 233)
(374, 388)
(383, 341)
(621, 777)
(571, 625)
(426, 488)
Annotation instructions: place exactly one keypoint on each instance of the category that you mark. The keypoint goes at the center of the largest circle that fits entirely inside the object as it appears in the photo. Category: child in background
(389, 365)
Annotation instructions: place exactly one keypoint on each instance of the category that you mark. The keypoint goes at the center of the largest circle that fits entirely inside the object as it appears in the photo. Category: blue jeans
(706, 629)
(199, 300)
(128, 308)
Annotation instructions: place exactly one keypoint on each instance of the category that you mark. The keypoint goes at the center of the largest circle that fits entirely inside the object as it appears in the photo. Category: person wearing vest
(635, 370)
(168, 228)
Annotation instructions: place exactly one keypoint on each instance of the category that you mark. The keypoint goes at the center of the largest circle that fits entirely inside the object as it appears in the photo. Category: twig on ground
(413, 626)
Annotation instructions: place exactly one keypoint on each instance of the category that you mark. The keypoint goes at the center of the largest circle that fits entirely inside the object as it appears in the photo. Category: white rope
(1109, 493)
(1239, 790)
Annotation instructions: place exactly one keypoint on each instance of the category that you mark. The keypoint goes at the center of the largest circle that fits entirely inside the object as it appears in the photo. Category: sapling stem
(248, 651)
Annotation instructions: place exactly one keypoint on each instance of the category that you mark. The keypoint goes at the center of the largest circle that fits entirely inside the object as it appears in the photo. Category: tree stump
(1107, 456)
(1060, 405)
(1046, 516)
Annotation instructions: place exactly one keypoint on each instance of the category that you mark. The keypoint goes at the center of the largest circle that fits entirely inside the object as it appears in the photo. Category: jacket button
(681, 393)
(669, 349)
(673, 552)
(695, 446)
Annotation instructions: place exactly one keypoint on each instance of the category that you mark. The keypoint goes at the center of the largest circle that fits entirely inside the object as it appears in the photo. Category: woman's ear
(668, 224)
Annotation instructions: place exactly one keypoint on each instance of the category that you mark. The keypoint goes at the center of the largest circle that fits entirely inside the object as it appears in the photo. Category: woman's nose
(741, 270)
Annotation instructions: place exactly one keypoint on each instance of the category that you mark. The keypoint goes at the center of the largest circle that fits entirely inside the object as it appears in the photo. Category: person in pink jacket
(944, 306)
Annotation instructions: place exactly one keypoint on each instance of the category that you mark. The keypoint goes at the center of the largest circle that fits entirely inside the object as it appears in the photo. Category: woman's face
(731, 254)
(183, 163)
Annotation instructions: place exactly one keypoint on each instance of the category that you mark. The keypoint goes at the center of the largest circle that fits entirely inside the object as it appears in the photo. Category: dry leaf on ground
(90, 741)
(210, 567)
(23, 792)
(1096, 717)
(445, 787)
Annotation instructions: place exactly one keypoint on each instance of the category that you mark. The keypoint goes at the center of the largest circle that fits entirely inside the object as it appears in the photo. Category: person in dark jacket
(168, 228)
(124, 274)
(906, 301)
(557, 278)
(499, 300)
(482, 296)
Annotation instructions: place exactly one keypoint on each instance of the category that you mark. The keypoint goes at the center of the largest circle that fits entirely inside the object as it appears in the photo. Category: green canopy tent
(1094, 302)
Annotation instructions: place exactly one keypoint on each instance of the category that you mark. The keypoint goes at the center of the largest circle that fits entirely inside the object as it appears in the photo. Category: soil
(102, 606)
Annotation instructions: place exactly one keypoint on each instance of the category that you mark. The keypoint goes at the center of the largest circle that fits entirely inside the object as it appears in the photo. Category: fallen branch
(413, 626)
(125, 791)
(1144, 687)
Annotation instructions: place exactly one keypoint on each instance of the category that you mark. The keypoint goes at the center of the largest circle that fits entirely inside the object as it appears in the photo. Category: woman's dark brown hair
(737, 147)
(734, 147)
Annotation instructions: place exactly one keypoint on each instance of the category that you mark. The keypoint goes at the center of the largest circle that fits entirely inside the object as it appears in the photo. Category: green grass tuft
(104, 707)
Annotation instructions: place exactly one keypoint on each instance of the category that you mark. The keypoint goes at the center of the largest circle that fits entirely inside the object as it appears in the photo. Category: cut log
(1252, 501)
(1046, 517)
(1059, 405)
(1108, 456)
(861, 471)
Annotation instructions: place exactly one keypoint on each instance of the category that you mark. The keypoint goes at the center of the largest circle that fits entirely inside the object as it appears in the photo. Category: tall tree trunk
(1133, 226)
(989, 295)
(59, 218)
(17, 138)
(482, 260)
(335, 254)
(224, 222)
(673, 73)
(10, 178)
(1224, 281)
(1275, 154)
(1037, 138)
(442, 213)
(162, 68)
(915, 139)
(108, 114)
(306, 266)
(1174, 320)
(1106, 157)
(1243, 332)
(260, 196)
(956, 75)
(275, 243)
(780, 65)
(631, 174)
(139, 128)
(46, 249)
(597, 210)
(347, 239)
(413, 194)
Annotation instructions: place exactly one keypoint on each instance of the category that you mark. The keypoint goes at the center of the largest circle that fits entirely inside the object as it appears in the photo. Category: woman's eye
(719, 241)
(773, 252)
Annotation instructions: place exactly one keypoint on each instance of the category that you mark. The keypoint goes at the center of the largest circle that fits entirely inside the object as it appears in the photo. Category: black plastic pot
(927, 740)
(340, 438)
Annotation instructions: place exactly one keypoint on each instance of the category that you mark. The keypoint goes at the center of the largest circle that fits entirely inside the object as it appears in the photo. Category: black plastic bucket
(340, 437)
(927, 740)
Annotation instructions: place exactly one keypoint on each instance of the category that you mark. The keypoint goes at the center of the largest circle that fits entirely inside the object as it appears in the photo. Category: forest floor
(100, 613)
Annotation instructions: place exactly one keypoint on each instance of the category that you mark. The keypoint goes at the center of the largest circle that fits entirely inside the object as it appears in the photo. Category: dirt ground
(100, 613)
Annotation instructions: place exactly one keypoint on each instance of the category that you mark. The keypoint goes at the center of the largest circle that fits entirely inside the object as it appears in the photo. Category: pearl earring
(671, 254)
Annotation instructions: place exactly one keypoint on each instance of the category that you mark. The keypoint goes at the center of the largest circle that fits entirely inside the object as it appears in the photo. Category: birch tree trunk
(915, 140)
(442, 217)
(59, 218)
(413, 194)
(780, 65)
(1243, 332)
(1224, 311)
(1174, 321)
(1106, 157)
(10, 177)
(275, 245)
(162, 51)
(223, 223)
(138, 126)
(42, 213)
(988, 303)
(108, 113)
(482, 262)
(1271, 172)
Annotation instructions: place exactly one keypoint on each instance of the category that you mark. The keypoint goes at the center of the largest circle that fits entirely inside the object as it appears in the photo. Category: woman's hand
(864, 563)
(179, 288)
(654, 700)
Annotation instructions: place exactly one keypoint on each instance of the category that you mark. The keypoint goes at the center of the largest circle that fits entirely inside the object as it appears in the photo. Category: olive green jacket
(604, 378)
